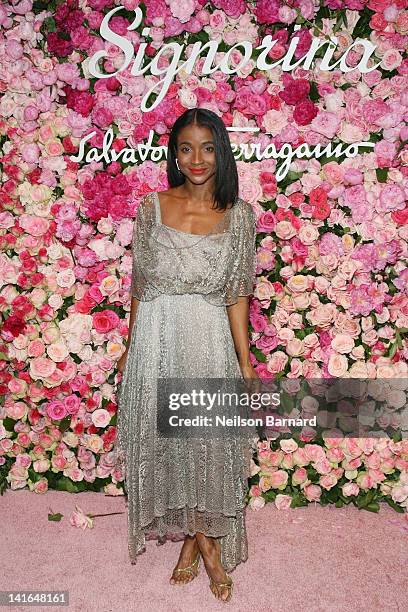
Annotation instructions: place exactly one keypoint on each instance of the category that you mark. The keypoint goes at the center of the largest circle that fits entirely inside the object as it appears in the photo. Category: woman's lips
(197, 170)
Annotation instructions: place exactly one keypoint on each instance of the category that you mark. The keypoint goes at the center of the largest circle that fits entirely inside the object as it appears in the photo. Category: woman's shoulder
(147, 204)
(246, 210)
(147, 199)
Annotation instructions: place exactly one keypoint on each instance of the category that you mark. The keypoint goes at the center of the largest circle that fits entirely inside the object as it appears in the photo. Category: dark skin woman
(190, 208)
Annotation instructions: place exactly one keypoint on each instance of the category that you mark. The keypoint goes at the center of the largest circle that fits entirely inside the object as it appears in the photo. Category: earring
(178, 166)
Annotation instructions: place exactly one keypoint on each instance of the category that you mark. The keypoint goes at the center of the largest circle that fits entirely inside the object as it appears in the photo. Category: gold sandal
(190, 569)
(227, 585)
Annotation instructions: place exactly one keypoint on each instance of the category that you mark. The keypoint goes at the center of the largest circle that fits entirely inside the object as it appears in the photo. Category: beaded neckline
(168, 227)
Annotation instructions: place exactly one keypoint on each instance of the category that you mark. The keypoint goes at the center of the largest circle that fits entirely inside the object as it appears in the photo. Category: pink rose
(274, 121)
(264, 289)
(288, 445)
(314, 452)
(300, 457)
(326, 123)
(328, 481)
(41, 367)
(322, 466)
(365, 481)
(299, 476)
(337, 365)
(101, 417)
(282, 502)
(256, 503)
(285, 230)
(392, 197)
(41, 486)
(105, 320)
(279, 479)
(353, 176)
(385, 152)
(333, 172)
(342, 343)
(391, 60)
(399, 494)
(266, 222)
(350, 488)
(277, 362)
(56, 410)
(312, 492)
(79, 519)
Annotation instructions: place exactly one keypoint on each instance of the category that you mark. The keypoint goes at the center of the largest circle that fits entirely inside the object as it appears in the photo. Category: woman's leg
(188, 554)
(210, 549)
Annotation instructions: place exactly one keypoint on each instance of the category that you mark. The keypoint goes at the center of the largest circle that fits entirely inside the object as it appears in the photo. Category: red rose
(321, 211)
(296, 198)
(268, 183)
(377, 22)
(318, 196)
(284, 215)
(59, 46)
(304, 112)
(295, 90)
(68, 145)
(400, 216)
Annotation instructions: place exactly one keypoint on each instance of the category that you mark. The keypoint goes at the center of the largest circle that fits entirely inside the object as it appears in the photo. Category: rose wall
(331, 294)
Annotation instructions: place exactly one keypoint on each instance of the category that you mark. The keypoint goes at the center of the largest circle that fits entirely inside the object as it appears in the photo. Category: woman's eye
(184, 149)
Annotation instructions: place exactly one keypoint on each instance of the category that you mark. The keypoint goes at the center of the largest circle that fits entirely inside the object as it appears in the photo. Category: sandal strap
(189, 568)
(222, 584)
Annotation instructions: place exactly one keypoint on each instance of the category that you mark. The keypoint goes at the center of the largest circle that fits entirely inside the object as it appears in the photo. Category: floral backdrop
(332, 282)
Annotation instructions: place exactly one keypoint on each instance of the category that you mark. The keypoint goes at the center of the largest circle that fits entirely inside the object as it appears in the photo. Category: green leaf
(314, 92)
(65, 423)
(382, 174)
(66, 484)
(298, 501)
(49, 24)
(9, 423)
(332, 495)
(57, 516)
(394, 505)
(372, 507)
(393, 349)
(286, 401)
(258, 354)
(362, 28)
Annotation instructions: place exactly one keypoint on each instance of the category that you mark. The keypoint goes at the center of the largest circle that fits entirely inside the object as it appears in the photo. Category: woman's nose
(197, 157)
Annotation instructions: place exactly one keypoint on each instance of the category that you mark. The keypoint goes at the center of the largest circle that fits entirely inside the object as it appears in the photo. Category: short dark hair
(226, 174)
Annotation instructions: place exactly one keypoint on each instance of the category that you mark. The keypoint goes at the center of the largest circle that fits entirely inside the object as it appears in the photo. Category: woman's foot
(211, 553)
(188, 559)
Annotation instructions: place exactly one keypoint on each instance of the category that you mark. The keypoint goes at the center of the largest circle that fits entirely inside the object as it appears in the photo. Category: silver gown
(184, 282)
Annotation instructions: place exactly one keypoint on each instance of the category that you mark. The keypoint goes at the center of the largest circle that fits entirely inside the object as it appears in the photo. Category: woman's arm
(133, 310)
(238, 315)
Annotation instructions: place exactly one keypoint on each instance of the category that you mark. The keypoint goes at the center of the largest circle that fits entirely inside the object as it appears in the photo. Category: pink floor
(313, 559)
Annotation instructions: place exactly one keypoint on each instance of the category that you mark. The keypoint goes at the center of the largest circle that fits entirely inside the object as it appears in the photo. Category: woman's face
(196, 150)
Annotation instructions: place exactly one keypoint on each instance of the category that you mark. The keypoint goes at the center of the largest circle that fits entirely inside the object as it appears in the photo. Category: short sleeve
(139, 246)
(242, 278)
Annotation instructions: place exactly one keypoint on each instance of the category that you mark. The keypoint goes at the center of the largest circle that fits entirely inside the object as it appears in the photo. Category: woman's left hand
(251, 377)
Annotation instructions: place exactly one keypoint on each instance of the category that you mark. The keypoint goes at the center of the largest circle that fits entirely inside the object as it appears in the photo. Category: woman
(193, 269)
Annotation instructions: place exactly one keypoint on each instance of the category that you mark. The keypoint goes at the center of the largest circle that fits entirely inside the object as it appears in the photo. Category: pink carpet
(313, 559)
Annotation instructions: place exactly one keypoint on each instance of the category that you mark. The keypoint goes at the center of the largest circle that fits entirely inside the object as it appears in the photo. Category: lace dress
(184, 282)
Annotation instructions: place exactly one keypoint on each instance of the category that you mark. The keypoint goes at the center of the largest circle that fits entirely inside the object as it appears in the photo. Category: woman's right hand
(122, 361)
